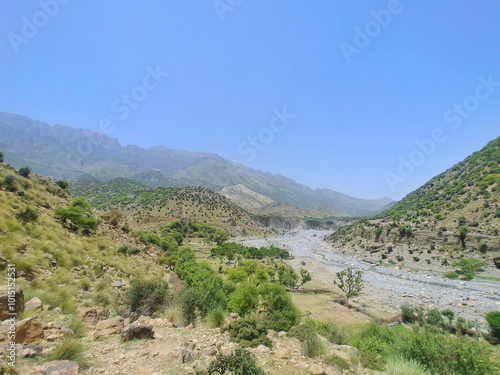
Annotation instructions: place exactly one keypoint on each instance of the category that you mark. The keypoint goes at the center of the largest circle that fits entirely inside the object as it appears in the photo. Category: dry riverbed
(387, 288)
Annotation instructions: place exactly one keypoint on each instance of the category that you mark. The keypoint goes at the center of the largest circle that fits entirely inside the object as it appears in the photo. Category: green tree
(1, 157)
(287, 277)
(244, 299)
(462, 234)
(305, 276)
(62, 184)
(493, 319)
(77, 215)
(9, 182)
(27, 215)
(349, 282)
(468, 267)
(145, 297)
(24, 172)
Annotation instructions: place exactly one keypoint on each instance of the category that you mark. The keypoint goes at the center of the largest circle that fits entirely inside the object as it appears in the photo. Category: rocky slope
(63, 151)
(456, 214)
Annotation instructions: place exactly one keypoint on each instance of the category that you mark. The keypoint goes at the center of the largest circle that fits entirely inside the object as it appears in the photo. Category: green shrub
(493, 319)
(447, 354)
(240, 362)
(71, 349)
(398, 365)
(337, 361)
(77, 215)
(216, 318)
(249, 332)
(27, 215)
(332, 332)
(312, 346)
(145, 297)
(301, 331)
(122, 249)
(24, 172)
(451, 275)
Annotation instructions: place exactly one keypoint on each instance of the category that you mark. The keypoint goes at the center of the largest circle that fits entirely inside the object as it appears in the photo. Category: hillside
(147, 208)
(455, 214)
(63, 151)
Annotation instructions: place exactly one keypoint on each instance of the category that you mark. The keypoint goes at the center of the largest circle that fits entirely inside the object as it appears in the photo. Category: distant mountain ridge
(68, 152)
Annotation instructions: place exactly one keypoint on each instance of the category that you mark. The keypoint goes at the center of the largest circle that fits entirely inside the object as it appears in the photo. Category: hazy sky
(370, 98)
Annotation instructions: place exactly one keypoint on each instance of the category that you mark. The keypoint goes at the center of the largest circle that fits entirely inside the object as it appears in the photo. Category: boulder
(34, 304)
(271, 335)
(107, 327)
(29, 330)
(93, 315)
(333, 370)
(4, 301)
(137, 331)
(283, 353)
(316, 370)
(60, 368)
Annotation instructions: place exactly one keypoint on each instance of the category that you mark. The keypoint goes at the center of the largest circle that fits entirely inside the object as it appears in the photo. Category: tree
(349, 282)
(10, 182)
(305, 276)
(287, 277)
(27, 215)
(1, 157)
(24, 172)
(493, 319)
(468, 267)
(62, 184)
(462, 235)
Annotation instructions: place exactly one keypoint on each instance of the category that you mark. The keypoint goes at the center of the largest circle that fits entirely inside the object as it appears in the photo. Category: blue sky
(334, 94)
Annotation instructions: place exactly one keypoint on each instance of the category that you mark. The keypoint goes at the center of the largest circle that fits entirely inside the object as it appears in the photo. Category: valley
(387, 288)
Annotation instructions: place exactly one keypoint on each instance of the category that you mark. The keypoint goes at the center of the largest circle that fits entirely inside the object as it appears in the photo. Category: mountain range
(63, 151)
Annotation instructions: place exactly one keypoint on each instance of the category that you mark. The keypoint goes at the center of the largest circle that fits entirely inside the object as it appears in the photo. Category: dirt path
(389, 287)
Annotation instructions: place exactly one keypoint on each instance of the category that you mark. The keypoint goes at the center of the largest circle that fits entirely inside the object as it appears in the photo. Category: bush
(9, 182)
(62, 184)
(249, 332)
(145, 297)
(240, 362)
(24, 172)
(301, 331)
(27, 215)
(78, 215)
(447, 354)
(281, 313)
(337, 361)
(312, 346)
(1, 157)
(216, 318)
(493, 319)
(451, 275)
(71, 349)
(398, 365)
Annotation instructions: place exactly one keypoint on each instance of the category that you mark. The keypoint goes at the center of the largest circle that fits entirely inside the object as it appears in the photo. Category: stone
(186, 356)
(271, 335)
(34, 304)
(209, 352)
(118, 284)
(107, 327)
(316, 370)
(27, 353)
(29, 330)
(93, 315)
(4, 301)
(137, 331)
(283, 353)
(333, 370)
(281, 334)
(60, 368)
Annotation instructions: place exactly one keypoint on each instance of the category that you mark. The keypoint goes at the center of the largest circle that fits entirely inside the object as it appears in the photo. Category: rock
(283, 353)
(118, 284)
(137, 331)
(186, 356)
(271, 335)
(344, 351)
(107, 327)
(316, 370)
(209, 352)
(60, 368)
(232, 318)
(143, 320)
(29, 330)
(333, 370)
(4, 301)
(34, 304)
(93, 315)
(27, 353)
(281, 334)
